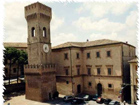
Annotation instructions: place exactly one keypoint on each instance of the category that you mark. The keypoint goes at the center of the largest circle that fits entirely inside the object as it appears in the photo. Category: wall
(128, 54)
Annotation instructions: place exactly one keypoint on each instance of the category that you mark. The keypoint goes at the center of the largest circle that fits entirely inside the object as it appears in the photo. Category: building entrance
(99, 89)
(78, 88)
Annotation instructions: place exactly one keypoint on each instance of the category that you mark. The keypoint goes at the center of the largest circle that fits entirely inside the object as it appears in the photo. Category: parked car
(94, 97)
(100, 100)
(68, 98)
(77, 101)
(87, 97)
(107, 101)
(114, 103)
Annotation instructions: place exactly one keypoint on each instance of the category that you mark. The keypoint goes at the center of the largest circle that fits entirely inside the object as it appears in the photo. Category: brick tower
(40, 72)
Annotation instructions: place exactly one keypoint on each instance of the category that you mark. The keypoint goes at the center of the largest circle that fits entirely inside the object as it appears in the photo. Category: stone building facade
(40, 73)
(92, 67)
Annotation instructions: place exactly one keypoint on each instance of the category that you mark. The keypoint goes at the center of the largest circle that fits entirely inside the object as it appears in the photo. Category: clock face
(45, 48)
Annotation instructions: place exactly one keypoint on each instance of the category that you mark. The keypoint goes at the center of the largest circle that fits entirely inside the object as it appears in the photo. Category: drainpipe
(71, 68)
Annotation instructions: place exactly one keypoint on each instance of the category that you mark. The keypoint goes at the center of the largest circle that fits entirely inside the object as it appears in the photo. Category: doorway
(78, 88)
(99, 89)
(50, 96)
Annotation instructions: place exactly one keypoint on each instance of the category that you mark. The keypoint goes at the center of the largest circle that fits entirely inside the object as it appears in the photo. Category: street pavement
(20, 100)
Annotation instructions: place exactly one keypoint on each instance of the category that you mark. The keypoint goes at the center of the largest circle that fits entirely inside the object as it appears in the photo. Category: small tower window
(44, 32)
(33, 32)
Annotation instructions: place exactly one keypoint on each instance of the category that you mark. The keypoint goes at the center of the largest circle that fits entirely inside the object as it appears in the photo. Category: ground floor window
(89, 84)
(14, 70)
(6, 70)
(67, 82)
(110, 87)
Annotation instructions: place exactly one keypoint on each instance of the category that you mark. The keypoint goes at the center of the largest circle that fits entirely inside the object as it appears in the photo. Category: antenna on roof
(87, 40)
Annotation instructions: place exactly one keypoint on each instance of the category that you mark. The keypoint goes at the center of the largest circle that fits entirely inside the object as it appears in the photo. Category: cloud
(56, 22)
(101, 9)
(15, 24)
(104, 25)
(112, 36)
(131, 20)
(62, 38)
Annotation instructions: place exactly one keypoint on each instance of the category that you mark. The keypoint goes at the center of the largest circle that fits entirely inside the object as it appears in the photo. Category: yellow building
(93, 67)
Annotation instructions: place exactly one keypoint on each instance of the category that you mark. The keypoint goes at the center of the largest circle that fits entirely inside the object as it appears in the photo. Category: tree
(15, 56)
(9, 54)
(21, 59)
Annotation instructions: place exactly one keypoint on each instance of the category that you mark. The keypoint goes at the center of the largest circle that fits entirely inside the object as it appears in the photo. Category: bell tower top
(36, 8)
(38, 18)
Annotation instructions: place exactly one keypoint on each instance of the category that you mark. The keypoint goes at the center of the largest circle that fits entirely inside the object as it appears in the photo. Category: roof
(135, 60)
(87, 44)
(14, 44)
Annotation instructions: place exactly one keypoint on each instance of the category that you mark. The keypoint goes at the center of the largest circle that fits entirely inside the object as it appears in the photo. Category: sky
(77, 22)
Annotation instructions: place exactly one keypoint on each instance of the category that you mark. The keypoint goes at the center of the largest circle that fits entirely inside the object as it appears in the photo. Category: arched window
(44, 32)
(33, 32)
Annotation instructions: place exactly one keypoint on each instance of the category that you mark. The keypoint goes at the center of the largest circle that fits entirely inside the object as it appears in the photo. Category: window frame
(88, 70)
(77, 55)
(109, 53)
(90, 84)
(6, 70)
(98, 52)
(14, 70)
(33, 31)
(66, 71)
(78, 71)
(65, 56)
(88, 55)
(44, 32)
(109, 68)
(98, 69)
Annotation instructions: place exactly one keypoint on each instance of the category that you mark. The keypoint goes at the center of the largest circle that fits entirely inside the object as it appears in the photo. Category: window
(67, 82)
(109, 71)
(5, 62)
(89, 71)
(14, 70)
(77, 55)
(44, 32)
(97, 54)
(98, 71)
(67, 72)
(89, 84)
(88, 55)
(66, 56)
(33, 32)
(6, 70)
(108, 54)
(110, 86)
(136, 67)
(78, 71)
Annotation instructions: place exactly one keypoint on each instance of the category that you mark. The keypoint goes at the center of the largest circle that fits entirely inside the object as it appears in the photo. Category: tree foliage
(15, 56)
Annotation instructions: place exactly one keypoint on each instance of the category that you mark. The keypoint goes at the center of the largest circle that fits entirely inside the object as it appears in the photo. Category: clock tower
(40, 72)
(38, 18)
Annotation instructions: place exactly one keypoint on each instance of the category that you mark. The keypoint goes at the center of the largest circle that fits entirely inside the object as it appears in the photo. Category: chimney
(87, 40)
(126, 42)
